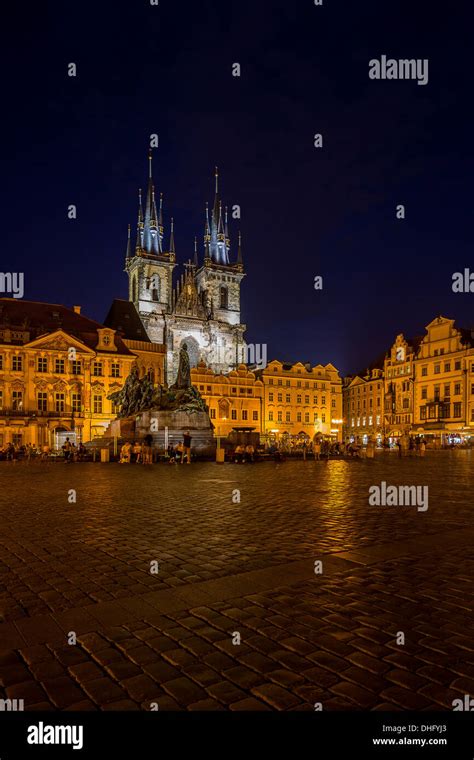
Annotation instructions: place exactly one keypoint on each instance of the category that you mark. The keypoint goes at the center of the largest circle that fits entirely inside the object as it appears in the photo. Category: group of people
(244, 454)
(137, 452)
(28, 451)
(71, 452)
(141, 452)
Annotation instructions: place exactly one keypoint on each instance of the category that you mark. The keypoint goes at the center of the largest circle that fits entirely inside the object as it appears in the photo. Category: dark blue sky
(305, 212)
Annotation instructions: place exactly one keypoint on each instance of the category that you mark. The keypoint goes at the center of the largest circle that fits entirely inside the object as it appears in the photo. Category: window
(245, 414)
(424, 371)
(106, 340)
(42, 401)
(406, 403)
(436, 393)
(1, 399)
(457, 389)
(353, 422)
(306, 417)
(333, 403)
(17, 401)
(270, 396)
(59, 402)
(270, 416)
(298, 417)
(315, 399)
(255, 416)
(457, 406)
(287, 416)
(447, 366)
(298, 399)
(323, 417)
(115, 369)
(233, 414)
(472, 388)
(17, 363)
(315, 417)
(288, 398)
(323, 400)
(370, 420)
(437, 369)
(306, 399)
(422, 412)
(280, 398)
(76, 402)
(98, 403)
(97, 369)
(234, 390)
(223, 297)
(457, 365)
(378, 419)
(447, 389)
(42, 364)
(280, 417)
(298, 384)
(1, 361)
(59, 366)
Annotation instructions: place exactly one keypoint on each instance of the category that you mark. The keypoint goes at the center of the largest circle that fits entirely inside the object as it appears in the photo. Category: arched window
(224, 298)
(155, 287)
(134, 289)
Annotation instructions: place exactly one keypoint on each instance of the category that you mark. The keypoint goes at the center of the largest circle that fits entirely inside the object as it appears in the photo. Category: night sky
(305, 211)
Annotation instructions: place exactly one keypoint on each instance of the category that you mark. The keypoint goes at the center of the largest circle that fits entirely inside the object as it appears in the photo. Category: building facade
(202, 307)
(301, 400)
(444, 383)
(235, 399)
(399, 387)
(57, 368)
(363, 406)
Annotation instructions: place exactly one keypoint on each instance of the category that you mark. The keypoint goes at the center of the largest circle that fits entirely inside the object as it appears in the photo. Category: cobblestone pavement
(231, 570)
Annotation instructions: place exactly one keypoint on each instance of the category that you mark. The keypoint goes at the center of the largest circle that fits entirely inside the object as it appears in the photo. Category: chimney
(77, 309)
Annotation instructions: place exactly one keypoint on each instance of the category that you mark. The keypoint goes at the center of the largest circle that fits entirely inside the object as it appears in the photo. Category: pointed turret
(172, 246)
(128, 252)
(139, 242)
(239, 251)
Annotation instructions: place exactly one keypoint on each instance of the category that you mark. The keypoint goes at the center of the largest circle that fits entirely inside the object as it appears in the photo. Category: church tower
(149, 267)
(218, 281)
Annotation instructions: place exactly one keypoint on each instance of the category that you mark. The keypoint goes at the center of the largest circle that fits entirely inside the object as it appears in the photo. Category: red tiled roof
(44, 318)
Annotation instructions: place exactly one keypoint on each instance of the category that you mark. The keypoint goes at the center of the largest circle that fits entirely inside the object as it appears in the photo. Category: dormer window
(106, 340)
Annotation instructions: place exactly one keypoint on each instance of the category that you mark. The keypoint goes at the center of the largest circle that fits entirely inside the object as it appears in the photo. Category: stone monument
(164, 413)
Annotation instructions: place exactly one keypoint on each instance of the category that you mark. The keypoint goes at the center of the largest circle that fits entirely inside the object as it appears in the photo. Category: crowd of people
(69, 451)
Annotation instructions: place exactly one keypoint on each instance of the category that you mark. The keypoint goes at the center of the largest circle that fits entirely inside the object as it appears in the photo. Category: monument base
(167, 428)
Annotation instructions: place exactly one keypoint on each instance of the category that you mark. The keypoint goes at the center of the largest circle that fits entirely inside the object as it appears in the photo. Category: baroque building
(301, 400)
(444, 383)
(364, 405)
(201, 305)
(57, 368)
(235, 399)
(399, 387)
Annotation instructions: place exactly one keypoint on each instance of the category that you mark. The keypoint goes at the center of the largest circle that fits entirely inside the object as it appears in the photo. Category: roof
(39, 319)
(124, 318)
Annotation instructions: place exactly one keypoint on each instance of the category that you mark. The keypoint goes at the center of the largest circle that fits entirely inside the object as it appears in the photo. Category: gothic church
(199, 307)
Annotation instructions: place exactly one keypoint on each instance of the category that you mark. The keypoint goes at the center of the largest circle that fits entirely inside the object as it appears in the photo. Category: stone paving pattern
(246, 568)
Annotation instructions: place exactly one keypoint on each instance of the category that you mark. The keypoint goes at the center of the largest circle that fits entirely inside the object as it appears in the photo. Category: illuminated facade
(235, 400)
(444, 383)
(399, 385)
(364, 405)
(57, 368)
(202, 309)
(302, 400)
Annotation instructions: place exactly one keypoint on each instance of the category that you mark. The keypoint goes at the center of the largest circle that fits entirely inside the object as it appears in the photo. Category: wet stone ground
(77, 543)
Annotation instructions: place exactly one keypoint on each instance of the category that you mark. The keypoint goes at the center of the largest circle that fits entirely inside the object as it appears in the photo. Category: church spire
(172, 247)
(128, 253)
(239, 251)
(139, 242)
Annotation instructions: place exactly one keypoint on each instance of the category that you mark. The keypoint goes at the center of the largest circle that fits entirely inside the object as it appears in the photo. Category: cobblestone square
(237, 616)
